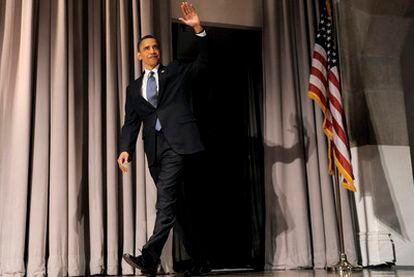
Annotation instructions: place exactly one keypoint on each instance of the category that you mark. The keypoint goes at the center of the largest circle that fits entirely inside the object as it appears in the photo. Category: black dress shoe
(199, 268)
(147, 266)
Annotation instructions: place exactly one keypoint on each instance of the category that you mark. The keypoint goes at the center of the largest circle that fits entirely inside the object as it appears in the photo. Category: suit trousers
(167, 173)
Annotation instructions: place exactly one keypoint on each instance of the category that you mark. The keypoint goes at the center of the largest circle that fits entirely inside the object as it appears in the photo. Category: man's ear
(139, 56)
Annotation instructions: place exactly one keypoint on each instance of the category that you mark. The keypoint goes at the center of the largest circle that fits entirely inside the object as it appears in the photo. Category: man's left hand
(190, 17)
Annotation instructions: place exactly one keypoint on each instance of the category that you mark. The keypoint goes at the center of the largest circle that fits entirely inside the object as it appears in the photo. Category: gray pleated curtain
(64, 206)
(64, 69)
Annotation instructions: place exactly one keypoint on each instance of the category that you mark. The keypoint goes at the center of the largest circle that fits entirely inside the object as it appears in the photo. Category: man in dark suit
(170, 133)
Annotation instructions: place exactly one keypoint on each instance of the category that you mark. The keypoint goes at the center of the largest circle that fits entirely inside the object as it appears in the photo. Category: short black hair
(144, 38)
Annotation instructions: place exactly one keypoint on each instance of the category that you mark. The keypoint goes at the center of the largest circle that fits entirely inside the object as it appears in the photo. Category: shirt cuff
(202, 33)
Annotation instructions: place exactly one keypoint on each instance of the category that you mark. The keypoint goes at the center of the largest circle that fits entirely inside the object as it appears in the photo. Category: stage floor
(386, 272)
(323, 273)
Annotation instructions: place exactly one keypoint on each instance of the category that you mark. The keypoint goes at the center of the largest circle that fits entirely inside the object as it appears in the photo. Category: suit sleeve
(201, 62)
(130, 129)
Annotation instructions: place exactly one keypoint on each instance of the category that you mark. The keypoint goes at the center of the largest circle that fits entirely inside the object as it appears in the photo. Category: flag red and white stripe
(325, 90)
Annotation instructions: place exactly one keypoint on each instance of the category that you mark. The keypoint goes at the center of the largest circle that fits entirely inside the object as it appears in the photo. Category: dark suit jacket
(174, 111)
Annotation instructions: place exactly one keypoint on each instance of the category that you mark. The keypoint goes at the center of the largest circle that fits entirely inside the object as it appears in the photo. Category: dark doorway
(227, 101)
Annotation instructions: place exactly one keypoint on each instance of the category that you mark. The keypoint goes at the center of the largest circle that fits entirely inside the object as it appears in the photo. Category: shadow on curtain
(301, 229)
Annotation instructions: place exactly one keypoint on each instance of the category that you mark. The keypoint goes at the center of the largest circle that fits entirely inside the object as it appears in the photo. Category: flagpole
(343, 265)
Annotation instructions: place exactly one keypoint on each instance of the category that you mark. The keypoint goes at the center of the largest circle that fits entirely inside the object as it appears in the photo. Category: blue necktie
(152, 96)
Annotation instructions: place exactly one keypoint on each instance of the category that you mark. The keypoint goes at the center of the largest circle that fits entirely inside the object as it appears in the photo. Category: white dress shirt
(145, 79)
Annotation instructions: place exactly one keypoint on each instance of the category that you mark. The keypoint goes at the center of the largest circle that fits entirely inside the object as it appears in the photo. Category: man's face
(149, 53)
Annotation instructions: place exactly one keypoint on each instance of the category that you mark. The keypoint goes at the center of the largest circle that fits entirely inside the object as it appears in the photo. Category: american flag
(325, 90)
